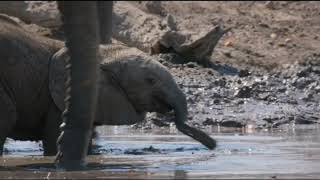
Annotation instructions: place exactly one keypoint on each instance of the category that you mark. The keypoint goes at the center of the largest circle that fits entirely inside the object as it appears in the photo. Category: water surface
(290, 152)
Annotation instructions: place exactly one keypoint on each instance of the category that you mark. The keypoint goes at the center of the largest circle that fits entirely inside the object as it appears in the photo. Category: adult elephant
(85, 23)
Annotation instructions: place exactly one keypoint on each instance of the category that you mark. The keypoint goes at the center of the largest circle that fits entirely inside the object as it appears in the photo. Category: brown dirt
(263, 35)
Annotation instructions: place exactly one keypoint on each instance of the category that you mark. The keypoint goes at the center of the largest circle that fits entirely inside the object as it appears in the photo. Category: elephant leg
(2, 141)
(8, 115)
(51, 131)
(92, 146)
(80, 22)
(105, 9)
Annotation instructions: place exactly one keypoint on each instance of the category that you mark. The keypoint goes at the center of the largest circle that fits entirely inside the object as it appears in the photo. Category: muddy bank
(231, 97)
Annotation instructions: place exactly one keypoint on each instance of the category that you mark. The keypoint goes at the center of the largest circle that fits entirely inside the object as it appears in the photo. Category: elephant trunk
(180, 108)
(178, 102)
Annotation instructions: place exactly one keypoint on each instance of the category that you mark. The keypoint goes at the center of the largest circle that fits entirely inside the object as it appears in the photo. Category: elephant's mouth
(160, 105)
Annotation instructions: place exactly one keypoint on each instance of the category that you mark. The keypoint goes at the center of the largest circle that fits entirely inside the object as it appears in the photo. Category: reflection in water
(125, 152)
(180, 174)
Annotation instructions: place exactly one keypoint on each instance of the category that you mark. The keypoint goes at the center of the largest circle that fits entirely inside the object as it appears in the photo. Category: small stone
(210, 72)
(191, 65)
(273, 35)
(270, 43)
(270, 5)
(216, 101)
(232, 123)
(225, 100)
(264, 25)
(240, 102)
(171, 22)
(287, 40)
(244, 73)
(209, 121)
(307, 97)
(228, 43)
(302, 120)
(244, 92)
(271, 119)
(227, 54)
(304, 72)
(282, 89)
(302, 82)
(302, 35)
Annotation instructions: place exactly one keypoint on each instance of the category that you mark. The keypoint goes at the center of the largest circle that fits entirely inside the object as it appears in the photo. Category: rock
(299, 119)
(191, 65)
(273, 35)
(160, 123)
(316, 69)
(154, 7)
(215, 95)
(307, 96)
(264, 25)
(43, 13)
(270, 5)
(302, 82)
(271, 119)
(282, 89)
(227, 54)
(228, 43)
(171, 23)
(220, 82)
(197, 47)
(244, 73)
(216, 101)
(210, 72)
(279, 123)
(244, 92)
(287, 40)
(240, 102)
(209, 121)
(266, 97)
(232, 123)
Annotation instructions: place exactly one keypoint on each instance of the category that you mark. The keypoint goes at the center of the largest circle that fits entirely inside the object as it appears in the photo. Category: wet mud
(230, 97)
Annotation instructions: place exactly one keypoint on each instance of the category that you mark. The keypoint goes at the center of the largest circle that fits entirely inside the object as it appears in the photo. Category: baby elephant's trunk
(179, 104)
(180, 108)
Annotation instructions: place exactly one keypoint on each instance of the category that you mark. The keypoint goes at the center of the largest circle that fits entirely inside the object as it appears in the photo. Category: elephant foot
(72, 149)
(71, 165)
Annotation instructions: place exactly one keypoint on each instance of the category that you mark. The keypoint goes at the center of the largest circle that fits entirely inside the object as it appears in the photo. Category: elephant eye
(150, 80)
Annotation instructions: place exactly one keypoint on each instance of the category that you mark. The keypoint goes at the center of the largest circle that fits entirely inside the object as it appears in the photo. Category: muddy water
(292, 152)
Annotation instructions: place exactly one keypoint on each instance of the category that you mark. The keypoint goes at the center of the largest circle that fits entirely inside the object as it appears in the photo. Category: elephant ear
(113, 105)
(114, 108)
(57, 77)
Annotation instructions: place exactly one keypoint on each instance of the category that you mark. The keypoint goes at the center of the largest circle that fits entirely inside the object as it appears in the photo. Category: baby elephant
(32, 78)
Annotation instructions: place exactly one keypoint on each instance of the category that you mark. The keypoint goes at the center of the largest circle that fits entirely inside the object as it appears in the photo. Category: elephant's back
(24, 58)
(118, 52)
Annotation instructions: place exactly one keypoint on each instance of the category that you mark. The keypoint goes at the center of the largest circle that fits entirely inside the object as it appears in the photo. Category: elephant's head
(132, 84)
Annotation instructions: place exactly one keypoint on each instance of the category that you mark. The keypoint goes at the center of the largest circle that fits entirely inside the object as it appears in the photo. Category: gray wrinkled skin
(32, 87)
